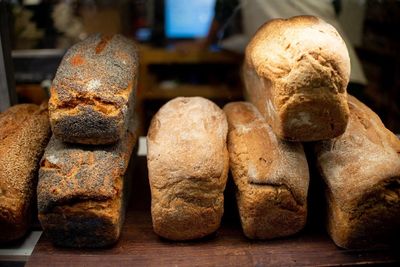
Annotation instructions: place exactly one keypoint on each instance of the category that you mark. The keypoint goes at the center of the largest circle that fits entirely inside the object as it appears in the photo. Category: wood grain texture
(139, 246)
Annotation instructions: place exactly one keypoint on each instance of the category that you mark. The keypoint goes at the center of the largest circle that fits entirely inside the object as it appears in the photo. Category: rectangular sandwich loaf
(361, 170)
(82, 191)
(188, 167)
(296, 72)
(24, 133)
(271, 175)
(93, 91)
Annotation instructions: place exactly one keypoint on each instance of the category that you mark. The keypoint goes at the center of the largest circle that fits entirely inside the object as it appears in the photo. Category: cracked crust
(271, 175)
(81, 191)
(24, 133)
(296, 72)
(188, 167)
(92, 95)
(361, 170)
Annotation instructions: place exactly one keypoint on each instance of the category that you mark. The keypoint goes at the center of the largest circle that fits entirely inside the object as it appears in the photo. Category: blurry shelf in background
(38, 53)
(172, 71)
(36, 65)
(157, 55)
(207, 91)
(169, 58)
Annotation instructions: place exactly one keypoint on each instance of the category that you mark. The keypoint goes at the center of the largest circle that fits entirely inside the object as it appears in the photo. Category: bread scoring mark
(98, 104)
(77, 60)
(103, 43)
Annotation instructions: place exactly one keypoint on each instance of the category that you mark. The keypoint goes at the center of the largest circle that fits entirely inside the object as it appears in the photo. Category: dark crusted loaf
(188, 167)
(361, 170)
(271, 175)
(296, 72)
(24, 133)
(92, 95)
(81, 192)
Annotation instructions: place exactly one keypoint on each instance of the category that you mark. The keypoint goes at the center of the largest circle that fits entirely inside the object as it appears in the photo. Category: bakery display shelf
(207, 91)
(228, 247)
(172, 55)
(139, 246)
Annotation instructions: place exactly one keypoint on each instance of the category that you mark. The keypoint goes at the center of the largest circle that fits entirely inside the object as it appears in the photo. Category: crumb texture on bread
(271, 175)
(92, 94)
(24, 133)
(361, 170)
(188, 167)
(296, 72)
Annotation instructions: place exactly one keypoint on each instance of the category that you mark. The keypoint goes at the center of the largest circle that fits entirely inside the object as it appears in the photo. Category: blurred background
(190, 48)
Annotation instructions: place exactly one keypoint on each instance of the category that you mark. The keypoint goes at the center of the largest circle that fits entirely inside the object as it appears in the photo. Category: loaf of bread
(92, 95)
(82, 192)
(24, 133)
(361, 170)
(188, 166)
(271, 175)
(296, 72)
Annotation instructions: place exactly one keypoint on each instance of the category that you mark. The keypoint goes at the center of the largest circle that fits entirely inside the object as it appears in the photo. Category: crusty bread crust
(296, 72)
(81, 191)
(361, 170)
(93, 92)
(271, 175)
(188, 167)
(24, 133)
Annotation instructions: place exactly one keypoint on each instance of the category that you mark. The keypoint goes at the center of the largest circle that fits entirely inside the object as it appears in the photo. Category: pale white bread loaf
(188, 167)
(296, 72)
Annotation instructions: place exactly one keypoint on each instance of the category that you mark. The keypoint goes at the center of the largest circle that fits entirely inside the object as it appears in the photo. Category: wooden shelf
(152, 55)
(139, 246)
(208, 91)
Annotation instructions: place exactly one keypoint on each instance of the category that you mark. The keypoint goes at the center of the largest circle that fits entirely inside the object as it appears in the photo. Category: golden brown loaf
(296, 72)
(92, 95)
(81, 192)
(188, 167)
(24, 133)
(271, 175)
(361, 170)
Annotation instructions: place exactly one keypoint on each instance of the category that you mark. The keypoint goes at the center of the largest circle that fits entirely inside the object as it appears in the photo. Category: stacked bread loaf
(24, 133)
(82, 176)
(296, 71)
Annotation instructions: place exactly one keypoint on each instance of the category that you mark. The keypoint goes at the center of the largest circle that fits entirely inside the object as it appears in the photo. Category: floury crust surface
(271, 175)
(93, 92)
(82, 191)
(188, 168)
(24, 133)
(296, 72)
(361, 170)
